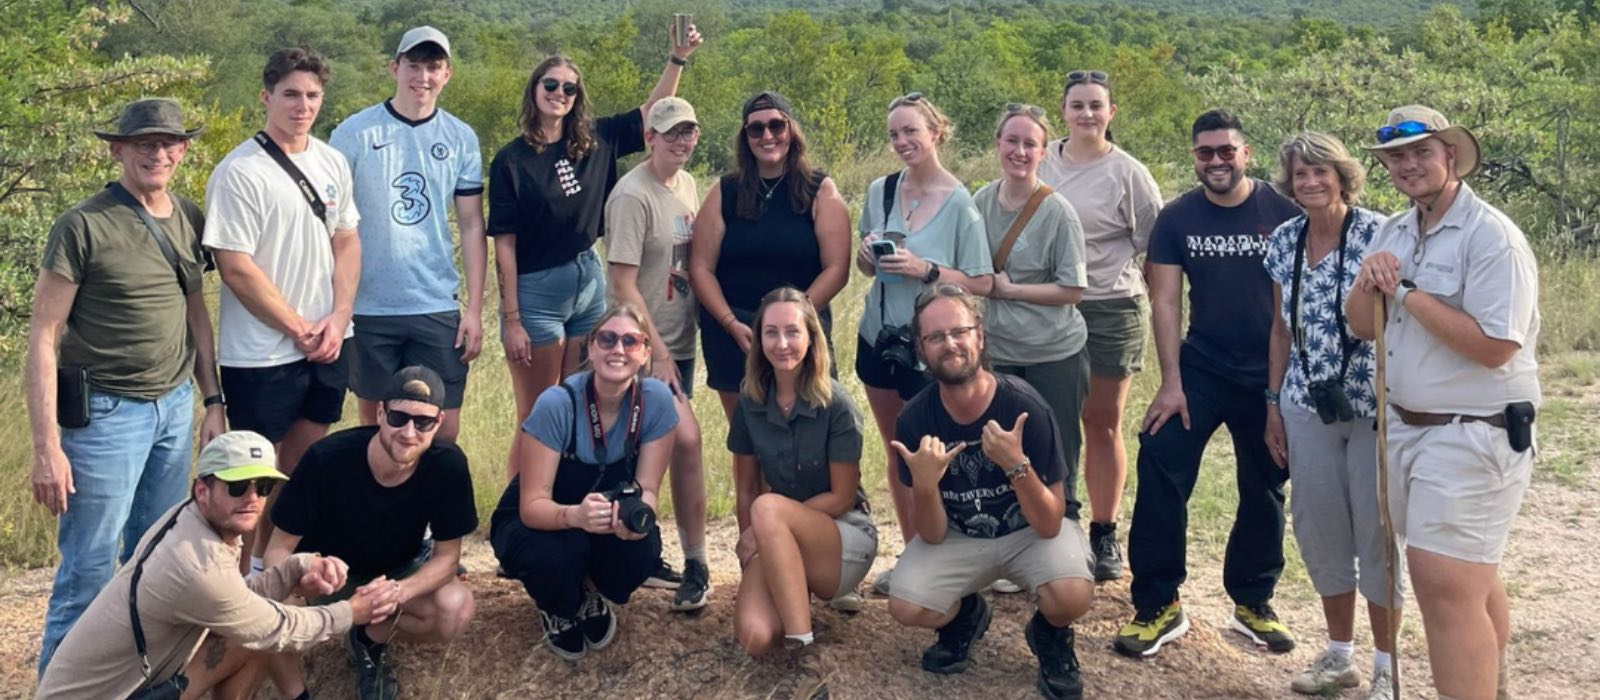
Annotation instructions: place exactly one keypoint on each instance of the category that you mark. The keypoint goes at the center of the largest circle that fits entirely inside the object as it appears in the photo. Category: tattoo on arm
(216, 648)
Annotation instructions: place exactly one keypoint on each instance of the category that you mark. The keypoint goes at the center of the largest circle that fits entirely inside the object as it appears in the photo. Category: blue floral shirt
(1318, 322)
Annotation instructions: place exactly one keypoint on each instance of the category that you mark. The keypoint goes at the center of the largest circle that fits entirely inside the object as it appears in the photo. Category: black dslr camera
(894, 344)
(1333, 405)
(632, 511)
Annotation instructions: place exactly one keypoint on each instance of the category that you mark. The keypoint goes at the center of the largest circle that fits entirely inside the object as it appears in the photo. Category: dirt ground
(1550, 569)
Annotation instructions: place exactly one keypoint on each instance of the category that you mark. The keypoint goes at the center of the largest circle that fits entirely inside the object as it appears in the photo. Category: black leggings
(553, 564)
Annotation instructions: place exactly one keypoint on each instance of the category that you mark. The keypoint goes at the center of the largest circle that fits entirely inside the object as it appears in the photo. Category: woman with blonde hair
(804, 522)
(1322, 401)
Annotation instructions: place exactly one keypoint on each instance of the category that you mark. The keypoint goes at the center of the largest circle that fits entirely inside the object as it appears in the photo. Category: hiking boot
(880, 585)
(1382, 685)
(1107, 554)
(805, 662)
(1260, 623)
(950, 654)
(597, 623)
(1150, 629)
(695, 587)
(850, 602)
(374, 673)
(1327, 675)
(1058, 659)
(1005, 585)
(664, 577)
(563, 636)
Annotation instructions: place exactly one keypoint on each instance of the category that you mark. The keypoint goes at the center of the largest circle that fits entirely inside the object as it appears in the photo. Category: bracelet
(679, 62)
(725, 319)
(214, 400)
(514, 313)
(1019, 471)
(1272, 397)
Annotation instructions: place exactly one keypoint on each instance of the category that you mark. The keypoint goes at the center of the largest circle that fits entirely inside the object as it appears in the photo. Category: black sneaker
(664, 577)
(595, 619)
(695, 588)
(1107, 555)
(950, 654)
(563, 636)
(1058, 660)
(374, 673)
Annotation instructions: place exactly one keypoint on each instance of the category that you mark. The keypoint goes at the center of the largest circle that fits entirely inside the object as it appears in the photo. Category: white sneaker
(1382, 685)
(1328, 674)
(1004, 585)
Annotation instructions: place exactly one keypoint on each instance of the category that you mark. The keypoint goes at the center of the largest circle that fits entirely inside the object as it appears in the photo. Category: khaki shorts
(858, 542)
(1455, 489)
(935, 576)
(1116, 335)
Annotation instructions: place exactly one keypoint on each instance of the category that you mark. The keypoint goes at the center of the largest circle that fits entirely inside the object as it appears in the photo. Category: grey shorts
(384, 345)
(1116, 335)
(1455, 489)
(1333, 502)
(858, 543)
(935, 576)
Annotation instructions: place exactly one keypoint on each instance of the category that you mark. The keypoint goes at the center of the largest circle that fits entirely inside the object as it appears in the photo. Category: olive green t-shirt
(1048, 251)
(128, 323)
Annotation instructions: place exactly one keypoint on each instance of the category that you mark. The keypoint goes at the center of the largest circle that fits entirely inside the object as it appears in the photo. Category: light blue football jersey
(406, 174)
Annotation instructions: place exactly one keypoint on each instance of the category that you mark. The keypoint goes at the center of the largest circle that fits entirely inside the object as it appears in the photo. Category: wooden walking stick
(1390, 551)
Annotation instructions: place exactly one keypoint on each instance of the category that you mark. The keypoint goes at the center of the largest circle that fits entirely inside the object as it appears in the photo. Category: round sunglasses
(551, 84)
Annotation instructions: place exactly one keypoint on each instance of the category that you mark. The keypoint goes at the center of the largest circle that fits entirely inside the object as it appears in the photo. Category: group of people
(998, 339)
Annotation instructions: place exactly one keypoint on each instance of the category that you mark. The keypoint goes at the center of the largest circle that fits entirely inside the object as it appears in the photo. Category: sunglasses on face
(1088, 76)
(1205, 153)
(608, 340)
(759, 129)
(1403, 129)
(687, 134)
(399, 419)
(264, 487)
(568, 89)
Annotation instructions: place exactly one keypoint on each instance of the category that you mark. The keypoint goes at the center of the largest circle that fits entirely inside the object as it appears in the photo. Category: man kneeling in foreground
(187, 571)
(1003, 511)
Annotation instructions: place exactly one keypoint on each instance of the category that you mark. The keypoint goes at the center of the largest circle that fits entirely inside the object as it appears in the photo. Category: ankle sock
(805, 640)
(1343, 649)
(256, 565)
(698, 554)
(1380, 659)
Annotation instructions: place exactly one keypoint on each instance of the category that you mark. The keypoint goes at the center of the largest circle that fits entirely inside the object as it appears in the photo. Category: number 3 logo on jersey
(413, 205)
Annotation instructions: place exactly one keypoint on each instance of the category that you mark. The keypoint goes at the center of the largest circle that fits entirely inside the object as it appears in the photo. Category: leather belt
(1416, 418)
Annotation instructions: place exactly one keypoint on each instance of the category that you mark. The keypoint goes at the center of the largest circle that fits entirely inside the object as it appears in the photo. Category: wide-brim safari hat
(155, 115)
(1413, 123)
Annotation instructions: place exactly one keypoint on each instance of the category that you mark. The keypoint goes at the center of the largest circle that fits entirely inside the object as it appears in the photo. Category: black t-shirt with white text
(1221, 251)
(556, 206)
(338, 509)
(978, 499)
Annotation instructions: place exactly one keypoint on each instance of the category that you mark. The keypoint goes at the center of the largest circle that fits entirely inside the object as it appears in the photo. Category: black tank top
(759, 256)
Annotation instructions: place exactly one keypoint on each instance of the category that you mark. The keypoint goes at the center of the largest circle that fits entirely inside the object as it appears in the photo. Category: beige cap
(239, 455)
(422, 35)
(669, 112)
(1434, 126)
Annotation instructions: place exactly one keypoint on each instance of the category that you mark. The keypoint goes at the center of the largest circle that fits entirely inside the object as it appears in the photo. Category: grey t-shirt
(952, 238)
(649, 225)
(1117, 200)
(794, 452)
(1048, 251)
(129, 323)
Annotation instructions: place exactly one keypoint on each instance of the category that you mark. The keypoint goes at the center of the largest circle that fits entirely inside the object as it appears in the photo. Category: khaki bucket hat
(1413, 123)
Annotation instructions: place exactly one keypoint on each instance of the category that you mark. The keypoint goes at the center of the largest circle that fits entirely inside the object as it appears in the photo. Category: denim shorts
(565, 301)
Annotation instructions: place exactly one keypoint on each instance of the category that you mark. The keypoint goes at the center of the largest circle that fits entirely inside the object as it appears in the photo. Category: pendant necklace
(766, 191)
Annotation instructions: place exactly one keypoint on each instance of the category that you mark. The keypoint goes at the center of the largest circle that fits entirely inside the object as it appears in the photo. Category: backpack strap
(133, 590)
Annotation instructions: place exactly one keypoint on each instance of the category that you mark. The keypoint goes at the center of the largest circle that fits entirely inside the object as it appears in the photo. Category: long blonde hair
(815, 384)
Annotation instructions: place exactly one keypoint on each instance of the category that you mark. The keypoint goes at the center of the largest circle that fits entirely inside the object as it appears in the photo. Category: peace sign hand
(1004, 447)
(929, 462)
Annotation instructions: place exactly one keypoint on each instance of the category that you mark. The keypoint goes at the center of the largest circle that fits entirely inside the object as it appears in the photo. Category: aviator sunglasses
(568, 89)
(238, 489)
(398, 419)
(1403, 129)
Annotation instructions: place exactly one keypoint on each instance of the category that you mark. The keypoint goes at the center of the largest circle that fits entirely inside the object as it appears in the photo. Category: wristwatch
(1019, 471)
(1401, 290)
(933, 273)
(214, 400)
(679, 62)
(1273, 397)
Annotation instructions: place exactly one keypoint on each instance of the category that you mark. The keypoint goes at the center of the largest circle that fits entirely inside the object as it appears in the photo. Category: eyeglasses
(238, 489)
(689, 134)
(758, 129)
(1031, 110)
(550, 84)
(1403, 129)
(608, 340)
(906, 99)
(1205, 153)
(399, 419)
(958, 333)
(1088, 76)
(149, 148)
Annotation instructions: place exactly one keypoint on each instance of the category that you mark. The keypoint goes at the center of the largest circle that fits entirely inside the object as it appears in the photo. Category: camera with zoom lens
(1332, 404)
(895, 346)
(632, 511)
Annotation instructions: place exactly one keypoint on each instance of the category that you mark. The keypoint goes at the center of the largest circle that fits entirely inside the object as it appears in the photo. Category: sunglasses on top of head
(1402, 130)
(551, 84)
(263, 487)
(399, 419)
(1204, 154)
(758, 129)
(1034, 111)
(1078, 77)
(608, 340)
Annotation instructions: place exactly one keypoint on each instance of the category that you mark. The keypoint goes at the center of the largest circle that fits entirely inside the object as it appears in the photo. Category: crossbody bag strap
(300, 181)
(123, 195)
(1298, 334)
(133, 590)
(1015, 232)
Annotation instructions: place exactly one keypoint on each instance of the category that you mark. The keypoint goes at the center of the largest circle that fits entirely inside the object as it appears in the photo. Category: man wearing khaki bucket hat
(1461, 287)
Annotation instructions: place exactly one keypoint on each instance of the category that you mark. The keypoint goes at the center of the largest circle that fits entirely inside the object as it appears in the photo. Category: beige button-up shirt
(191, 583)
(1476, 260)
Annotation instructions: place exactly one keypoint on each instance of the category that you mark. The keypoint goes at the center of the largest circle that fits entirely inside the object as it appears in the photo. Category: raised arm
(667, 84)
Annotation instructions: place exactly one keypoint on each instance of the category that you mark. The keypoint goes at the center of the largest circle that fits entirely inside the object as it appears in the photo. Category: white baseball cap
(422, 35)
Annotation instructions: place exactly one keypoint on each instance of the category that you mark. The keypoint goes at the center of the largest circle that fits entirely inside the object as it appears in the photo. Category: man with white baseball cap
(1462, 287)
(183, 588)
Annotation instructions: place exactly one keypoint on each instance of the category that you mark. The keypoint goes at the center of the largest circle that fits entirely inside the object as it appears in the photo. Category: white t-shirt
(254, 207)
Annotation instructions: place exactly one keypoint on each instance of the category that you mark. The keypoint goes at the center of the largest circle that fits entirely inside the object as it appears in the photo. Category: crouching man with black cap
(369, 495)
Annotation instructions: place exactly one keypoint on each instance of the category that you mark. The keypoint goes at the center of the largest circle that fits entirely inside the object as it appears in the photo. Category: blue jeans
(565, 301)
(129, 466)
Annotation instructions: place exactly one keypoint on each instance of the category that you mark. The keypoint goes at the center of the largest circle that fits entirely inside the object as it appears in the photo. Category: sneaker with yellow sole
(1260, 623)
(1150, 629)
